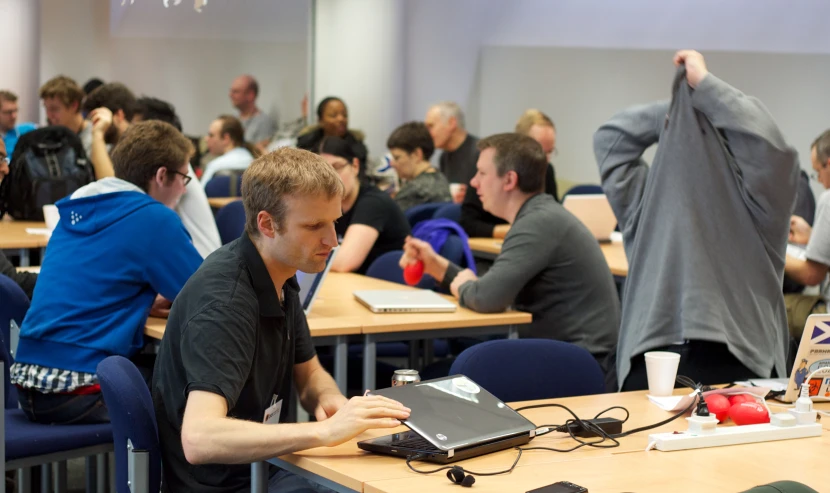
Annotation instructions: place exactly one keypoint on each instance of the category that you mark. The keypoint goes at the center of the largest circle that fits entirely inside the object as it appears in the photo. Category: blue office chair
(453, 250)
(230, 220)
(31, 444)
(220, 186)
(423, 212)
(531, 369)
(135, 432)
(448, 211)
(584, 190)
(14, 306)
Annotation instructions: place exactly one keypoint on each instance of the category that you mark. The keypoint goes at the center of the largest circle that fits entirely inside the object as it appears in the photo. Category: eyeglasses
(5, 159)
(185, 178)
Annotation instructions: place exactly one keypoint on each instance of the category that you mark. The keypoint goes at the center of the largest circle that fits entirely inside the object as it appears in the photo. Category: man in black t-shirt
(445, 122)
(237, 341)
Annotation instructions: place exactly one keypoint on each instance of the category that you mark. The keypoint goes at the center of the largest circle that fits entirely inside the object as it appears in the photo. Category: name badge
(272, 414)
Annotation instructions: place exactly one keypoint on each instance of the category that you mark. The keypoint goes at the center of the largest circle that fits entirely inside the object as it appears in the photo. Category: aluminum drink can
(405, 377)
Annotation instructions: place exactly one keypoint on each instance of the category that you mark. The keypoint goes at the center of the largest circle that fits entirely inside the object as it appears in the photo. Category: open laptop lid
(310, 284)
(404, 300)
(595, 212)
(454, 412)
(813, 353)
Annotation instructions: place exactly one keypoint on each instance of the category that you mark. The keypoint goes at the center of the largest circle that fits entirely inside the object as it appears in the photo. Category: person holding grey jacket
(705, 229)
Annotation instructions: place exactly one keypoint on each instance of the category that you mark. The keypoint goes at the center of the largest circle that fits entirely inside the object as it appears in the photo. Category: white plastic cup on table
(661, 369)
(457, 191)
(51, 216)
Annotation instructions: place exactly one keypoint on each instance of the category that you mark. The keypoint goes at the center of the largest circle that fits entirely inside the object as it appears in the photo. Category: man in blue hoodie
(118, 250)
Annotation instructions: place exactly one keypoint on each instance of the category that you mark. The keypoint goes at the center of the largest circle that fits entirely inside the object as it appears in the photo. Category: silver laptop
(595, 213)
(452, 419)
(401, 301)
(310, 284)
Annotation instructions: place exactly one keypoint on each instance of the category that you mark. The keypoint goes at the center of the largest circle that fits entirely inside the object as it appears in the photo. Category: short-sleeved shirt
(818, 249)
(10, 138)
(259, 127)
(376, 210)
(229, 335)
(459, 166)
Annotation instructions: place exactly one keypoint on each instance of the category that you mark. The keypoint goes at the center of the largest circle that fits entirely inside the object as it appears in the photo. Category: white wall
(20, 37)
(453, 53)
(181, 56)
(581, 88)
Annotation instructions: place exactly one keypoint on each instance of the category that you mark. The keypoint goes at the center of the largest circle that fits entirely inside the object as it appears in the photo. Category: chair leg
(46, 478)
(24, 480)
(101, 473)
(60, 477)
(111, 471)
(259, 479)
(89, 466)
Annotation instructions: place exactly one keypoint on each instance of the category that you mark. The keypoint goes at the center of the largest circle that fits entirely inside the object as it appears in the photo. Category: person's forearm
(100, 158)
(319, 383)
(803, 271)
(233, 441)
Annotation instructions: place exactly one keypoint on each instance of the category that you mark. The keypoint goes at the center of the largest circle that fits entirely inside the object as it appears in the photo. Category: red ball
(413, 273)
(737, 399)
(718, 405)
(748, 413)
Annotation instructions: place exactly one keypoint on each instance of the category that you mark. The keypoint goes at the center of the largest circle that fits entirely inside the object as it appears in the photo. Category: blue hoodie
(114, 249)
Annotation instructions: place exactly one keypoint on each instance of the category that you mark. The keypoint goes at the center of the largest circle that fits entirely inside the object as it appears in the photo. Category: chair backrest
(386, 267)
(584, 190)
(13, 306)
(531, 369)
(448, 211)
(422, 212)
(131, 412)
(230, 221)
(220, 186)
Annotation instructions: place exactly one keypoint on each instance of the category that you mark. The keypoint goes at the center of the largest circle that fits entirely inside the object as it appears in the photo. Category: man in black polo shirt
(237, 340)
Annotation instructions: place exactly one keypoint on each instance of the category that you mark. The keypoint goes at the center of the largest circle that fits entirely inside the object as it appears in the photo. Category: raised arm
(619, 145)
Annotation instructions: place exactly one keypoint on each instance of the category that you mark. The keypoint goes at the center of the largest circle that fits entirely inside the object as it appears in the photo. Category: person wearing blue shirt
(10, 131)
(118, 254)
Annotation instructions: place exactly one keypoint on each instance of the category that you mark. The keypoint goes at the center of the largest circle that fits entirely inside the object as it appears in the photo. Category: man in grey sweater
(550, 264)
(705, 229)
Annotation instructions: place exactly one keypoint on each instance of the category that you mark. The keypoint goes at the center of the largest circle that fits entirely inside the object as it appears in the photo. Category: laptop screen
(454, 412)
(310, 283)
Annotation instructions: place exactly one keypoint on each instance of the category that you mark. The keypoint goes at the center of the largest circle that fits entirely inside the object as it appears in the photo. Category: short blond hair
(65, 89)
(533, 117)
(286, 171)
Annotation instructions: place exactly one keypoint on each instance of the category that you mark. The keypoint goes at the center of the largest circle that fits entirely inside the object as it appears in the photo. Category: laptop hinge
(450, 454)
(532, 433)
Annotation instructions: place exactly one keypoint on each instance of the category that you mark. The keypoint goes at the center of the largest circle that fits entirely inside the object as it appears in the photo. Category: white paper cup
(661, 368)
(51, 216)
(457, 191)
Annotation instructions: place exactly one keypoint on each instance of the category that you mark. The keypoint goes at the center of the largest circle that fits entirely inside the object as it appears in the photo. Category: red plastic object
(413, 273)
(748, 413)
(718, 405)
(737, 399)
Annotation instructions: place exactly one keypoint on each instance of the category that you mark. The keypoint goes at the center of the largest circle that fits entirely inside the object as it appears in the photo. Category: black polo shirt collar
(269, 302)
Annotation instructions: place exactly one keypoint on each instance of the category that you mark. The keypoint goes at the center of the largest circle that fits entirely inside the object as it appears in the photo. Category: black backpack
(47, 165)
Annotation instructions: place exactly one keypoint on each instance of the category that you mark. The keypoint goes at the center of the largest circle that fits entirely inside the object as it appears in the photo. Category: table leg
(341, 366)
(369, 360)
(24, 257)
(512, 332)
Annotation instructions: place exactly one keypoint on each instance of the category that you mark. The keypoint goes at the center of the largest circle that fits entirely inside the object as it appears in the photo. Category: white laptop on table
(595, 213)
(405, 300)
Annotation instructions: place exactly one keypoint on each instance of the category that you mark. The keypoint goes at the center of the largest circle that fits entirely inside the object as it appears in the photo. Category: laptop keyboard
(414, 443)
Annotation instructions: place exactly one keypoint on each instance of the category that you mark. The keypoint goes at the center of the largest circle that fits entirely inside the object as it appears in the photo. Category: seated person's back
(411, 147)
(372, 224)
(117, 246)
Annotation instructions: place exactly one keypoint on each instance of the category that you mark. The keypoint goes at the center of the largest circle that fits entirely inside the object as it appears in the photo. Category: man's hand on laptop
(360, 414)
(415, 250)
(328, 404)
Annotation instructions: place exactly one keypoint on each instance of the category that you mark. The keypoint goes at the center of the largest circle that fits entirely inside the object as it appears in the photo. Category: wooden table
(489, 248)
(13, 235)
(336, 315)
(624, 468)
(219, 202)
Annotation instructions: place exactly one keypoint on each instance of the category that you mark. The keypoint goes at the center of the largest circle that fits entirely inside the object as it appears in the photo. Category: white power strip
(732, 435)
